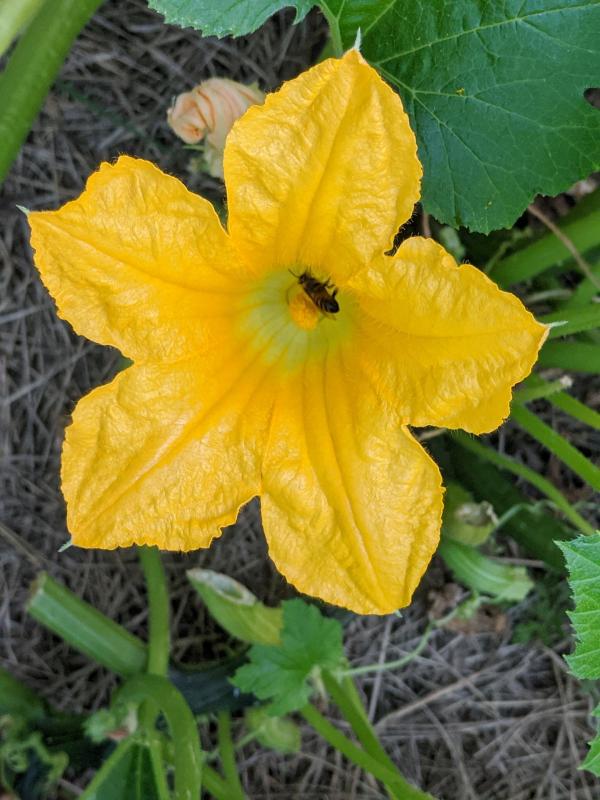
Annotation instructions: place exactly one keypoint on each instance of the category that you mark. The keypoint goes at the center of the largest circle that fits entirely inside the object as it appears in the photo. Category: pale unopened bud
(208, 112)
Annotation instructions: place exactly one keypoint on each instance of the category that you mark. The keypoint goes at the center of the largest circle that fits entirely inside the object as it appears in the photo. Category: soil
(476, 716)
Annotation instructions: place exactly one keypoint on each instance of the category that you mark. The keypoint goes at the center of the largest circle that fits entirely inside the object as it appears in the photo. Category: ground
(475, 716)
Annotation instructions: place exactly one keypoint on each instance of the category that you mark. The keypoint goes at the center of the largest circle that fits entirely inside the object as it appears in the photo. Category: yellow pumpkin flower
(285, 357)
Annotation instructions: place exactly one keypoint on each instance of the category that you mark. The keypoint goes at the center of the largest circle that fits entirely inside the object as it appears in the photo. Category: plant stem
(158, 610)
(345, 695)
(85, 628)
(562, 449)
(14, 16)
(32, 68)
(187, 761)
(158, 627)
(398, 663)
(360, 757)
(505, 462)
(227, 754)
(214, 784)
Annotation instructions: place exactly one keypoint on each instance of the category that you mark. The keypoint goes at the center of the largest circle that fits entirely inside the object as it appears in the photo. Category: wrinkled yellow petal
(442, 341)
(137, 262)
(351, 504)
(166, 454)
(323, 173)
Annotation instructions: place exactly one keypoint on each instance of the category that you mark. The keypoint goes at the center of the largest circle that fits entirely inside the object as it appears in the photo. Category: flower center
(288, 322)
(303, 311)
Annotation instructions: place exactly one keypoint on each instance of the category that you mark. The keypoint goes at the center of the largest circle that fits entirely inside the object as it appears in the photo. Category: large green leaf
(495, 92)
(583, 562)
(230, 17)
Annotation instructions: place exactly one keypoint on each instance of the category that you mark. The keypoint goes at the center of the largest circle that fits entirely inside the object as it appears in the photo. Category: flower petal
(442, 341)
(166, 454)
(323, 173)
(351, 504)
(137, 261)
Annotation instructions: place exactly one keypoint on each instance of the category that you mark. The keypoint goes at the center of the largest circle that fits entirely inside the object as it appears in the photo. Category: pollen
(302, 309)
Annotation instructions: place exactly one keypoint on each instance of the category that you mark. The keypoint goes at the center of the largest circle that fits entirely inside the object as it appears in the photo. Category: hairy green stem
(227, 754)
(389, 777)
(14, 16)
(158, 610)
(344, 694)
(187, 759)
(398, 663)
(214, 784)
(85, 628)
(544, 486)
(32, 68)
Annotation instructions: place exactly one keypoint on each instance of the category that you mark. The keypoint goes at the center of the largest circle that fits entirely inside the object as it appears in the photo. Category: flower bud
(208, 112)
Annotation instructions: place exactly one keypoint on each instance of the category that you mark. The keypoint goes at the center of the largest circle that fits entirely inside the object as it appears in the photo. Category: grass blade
(543, 485)
(575, 320)
(557, 444)
(571, 356)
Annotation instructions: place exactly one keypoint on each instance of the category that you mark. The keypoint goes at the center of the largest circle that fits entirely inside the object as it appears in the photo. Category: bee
(319, 293)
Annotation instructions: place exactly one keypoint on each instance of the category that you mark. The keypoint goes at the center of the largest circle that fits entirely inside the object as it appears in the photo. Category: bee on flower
(208, 112)
(243, 383)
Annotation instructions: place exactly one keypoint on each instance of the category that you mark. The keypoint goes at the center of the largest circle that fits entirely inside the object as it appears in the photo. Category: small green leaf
(276, 733)
(235, 608)
(235, 18)
(16, 700)
(309, 642)
(495, 92)
(592, 760)
(583, 562)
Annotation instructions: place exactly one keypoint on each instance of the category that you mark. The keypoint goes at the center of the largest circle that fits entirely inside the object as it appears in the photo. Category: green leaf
(583, 563)
(281, 673)
(592, 760)
(132, 772)
(235, 18)
(494, 92)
